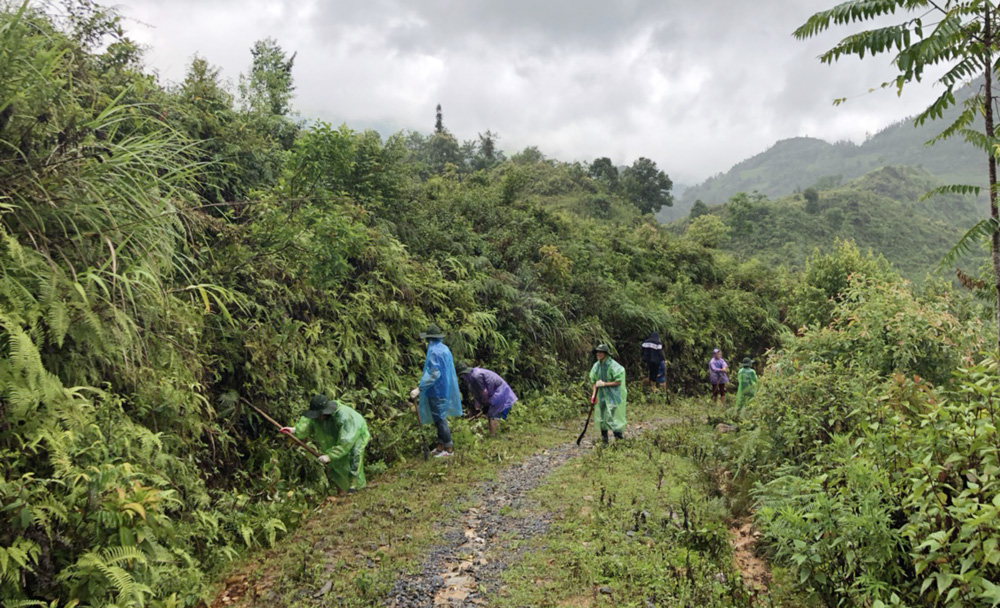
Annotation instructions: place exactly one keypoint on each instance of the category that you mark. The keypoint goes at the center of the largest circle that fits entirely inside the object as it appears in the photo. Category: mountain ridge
(790, 165)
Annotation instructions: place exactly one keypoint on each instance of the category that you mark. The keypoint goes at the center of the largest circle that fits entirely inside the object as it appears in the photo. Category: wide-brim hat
(747, 362)
(320, 405)
(463, 368)
(602, 348)
(433, 331)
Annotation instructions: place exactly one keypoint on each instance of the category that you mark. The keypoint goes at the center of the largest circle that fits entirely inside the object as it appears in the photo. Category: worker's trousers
(437, 407)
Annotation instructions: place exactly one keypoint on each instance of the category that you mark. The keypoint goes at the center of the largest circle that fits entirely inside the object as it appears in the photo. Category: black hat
(602, 348)
(463, 368)
(747, 362)
(320, 405)
(433, 331)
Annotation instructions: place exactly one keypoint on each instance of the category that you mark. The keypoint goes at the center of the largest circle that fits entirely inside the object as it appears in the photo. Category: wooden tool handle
(303, 444)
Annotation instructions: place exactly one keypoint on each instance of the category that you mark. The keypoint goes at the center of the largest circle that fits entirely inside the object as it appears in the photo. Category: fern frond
(983, 230)
(961, 189)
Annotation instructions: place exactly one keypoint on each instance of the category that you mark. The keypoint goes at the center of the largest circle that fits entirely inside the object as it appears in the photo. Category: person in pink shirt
(717, 376)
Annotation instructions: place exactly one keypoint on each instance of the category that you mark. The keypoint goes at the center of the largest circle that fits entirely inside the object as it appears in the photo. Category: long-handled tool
(420, 430)
(301, 443)
(593, 403)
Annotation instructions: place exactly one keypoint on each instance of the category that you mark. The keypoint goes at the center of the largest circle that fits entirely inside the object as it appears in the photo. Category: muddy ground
(466, 566)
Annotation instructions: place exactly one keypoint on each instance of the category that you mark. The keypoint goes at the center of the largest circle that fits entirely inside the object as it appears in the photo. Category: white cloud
(696, 86)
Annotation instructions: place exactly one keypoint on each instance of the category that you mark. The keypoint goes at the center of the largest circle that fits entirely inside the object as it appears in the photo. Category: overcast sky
(696, 85)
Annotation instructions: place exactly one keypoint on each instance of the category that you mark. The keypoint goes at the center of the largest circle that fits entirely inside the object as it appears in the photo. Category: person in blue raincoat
(438, 390)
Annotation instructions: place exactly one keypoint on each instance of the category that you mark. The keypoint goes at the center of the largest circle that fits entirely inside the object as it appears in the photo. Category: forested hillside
(174, 253)
(792, 165)
(885, 211)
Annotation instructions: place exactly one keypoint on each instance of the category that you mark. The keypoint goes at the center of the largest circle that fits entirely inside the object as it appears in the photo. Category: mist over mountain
(792, 165)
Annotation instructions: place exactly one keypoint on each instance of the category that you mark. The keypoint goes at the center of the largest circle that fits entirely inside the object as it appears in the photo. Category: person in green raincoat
(746, 383)
(608, 377)
(341, 435)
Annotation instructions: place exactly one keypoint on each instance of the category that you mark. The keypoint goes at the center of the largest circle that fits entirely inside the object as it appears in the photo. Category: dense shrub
(874, 460)
(167, 259)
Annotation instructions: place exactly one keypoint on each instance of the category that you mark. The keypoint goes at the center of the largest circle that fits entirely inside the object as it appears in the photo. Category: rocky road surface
(475, 550)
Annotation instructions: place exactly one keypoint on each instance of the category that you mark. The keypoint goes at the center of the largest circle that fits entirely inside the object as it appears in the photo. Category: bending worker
(608, 377)
(341, 435)
(491, 393)
(438, 390)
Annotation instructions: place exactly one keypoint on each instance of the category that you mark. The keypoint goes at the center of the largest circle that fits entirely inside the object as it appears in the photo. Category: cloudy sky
(696, 85)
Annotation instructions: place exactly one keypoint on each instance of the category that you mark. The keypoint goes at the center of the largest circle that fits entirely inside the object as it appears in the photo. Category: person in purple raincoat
(491, 393)
(717, 376)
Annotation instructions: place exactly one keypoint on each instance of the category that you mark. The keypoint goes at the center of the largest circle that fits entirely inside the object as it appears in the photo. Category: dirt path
(479, 545)
(754, 570)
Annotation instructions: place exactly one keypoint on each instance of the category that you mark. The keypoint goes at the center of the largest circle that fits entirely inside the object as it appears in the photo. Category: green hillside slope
(882, 211)
(791, 165)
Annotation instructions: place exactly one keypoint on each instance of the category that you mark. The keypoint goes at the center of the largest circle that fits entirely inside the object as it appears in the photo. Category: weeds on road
(635, 524)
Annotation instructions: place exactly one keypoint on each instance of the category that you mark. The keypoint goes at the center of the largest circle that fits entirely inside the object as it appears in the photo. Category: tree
(529, 156)
(959, 36)
(646, 186)
(604, 171)
(269, 87)
(698, 209)
(812, 200)
(746, 211)
(708, 231)
(483, 153)
(442, 147)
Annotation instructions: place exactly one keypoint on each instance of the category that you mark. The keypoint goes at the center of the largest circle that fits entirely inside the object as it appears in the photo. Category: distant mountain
(792, 165)
(882, 211)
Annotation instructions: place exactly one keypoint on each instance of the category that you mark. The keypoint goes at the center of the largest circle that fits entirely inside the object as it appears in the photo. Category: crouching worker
(608, 377)
(341, 435)
(491, 393)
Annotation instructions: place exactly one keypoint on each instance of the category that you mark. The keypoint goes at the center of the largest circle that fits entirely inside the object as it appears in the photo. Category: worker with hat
(438, 390)
(746, 380)
(341, 435)
(608, 377)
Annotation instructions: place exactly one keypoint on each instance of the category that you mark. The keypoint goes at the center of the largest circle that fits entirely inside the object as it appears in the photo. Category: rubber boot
(604, 437)
(619, 435)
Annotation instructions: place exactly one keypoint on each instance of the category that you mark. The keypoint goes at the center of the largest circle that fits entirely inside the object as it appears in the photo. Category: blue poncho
(439, 384)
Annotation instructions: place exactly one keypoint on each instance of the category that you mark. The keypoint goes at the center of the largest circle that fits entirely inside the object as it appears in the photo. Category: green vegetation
(792, 165)
(869, 458)
(171, 254)
(635, 523)
(883, 211)
(364, 543)
(960, 39)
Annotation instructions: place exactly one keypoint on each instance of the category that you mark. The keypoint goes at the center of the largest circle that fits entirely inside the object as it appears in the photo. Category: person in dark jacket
(652, 356)
(491, 393)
